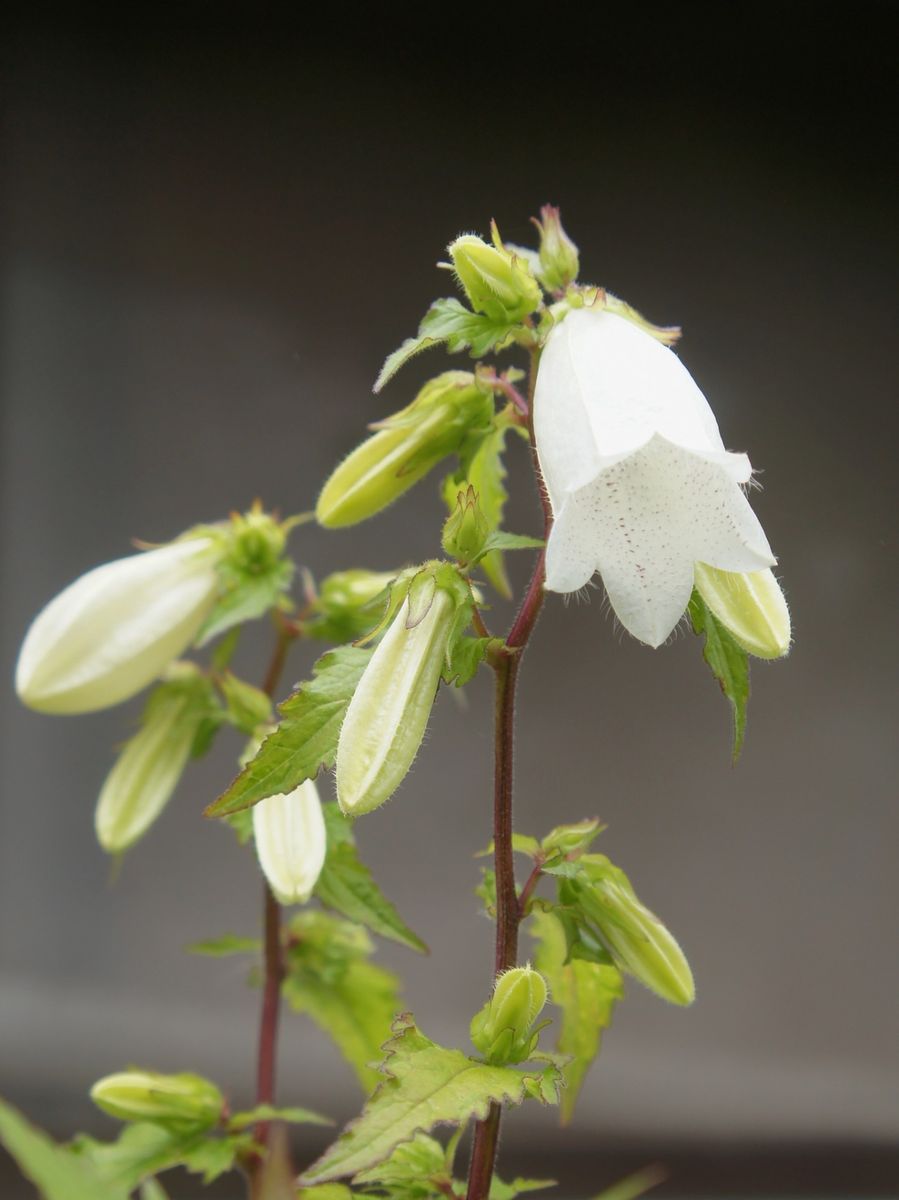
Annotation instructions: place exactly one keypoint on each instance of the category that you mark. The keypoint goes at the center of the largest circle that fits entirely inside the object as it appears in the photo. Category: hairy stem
(509, 910)
(272, 949)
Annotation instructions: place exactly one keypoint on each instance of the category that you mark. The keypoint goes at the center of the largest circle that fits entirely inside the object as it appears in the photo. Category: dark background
(217, 226)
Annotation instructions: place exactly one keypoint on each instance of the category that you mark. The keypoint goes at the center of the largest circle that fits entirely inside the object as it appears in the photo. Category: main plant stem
(273, 953)
(509, 907)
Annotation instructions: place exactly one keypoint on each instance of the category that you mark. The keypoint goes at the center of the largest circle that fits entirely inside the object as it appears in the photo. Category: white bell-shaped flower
(640, 483)
(117, 628)
(291, 842)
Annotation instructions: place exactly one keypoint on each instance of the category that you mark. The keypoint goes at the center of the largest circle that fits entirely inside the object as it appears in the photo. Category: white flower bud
(115, 629)
(289, 831)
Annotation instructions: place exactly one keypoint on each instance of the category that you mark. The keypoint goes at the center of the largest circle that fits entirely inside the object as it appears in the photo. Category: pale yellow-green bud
(405, 447)
(346, 591)
(466, 529)
(503, 1030)
(559, 264)
(635, 937)
(751, 608)
(291, 842)
(147, 770)
(497, 282)
(181, 1101)
(387, 716)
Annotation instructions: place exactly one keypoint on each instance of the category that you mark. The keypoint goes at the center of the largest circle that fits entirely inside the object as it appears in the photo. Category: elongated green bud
(751, 608)
(498, 283)
(635, 937)
(147, 771)
(405, 447)
(559, 263)
(504, 1030)
(387, 716)
(182, 1101)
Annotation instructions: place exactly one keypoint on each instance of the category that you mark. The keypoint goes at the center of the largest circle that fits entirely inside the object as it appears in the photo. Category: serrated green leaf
(425, 1085)
(305, 740)
(450, 322)
(728, 662)
(245, 597)
(268, 1112)
(56, 1171)
(412, 1172)
(142, 1150)
(227, 944)
(586, 992)
(330, 980)
(346, 885)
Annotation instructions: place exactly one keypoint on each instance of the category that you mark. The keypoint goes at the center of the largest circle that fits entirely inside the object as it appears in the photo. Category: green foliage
(508, 1191)
(728, 662)
(416, 1170)
(306, 738)
(246, 595)
(330, 979)
(227, 944)
(586, 992)
(425, 1085)
(448, 321)
(465, 656)
(346, 885)
(268, 1112)
(143, 1150)
(486, 890)
(570, 840)
(56, 1171)
(247, 706)
(509, 541)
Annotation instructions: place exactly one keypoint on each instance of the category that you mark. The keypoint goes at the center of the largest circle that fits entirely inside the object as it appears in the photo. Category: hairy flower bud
(115, 629)
(498, 283)
(635, 937)
(751, 607)
(559, 263)
(465, 529)
(504, 1030)
(404, 448)
(386, 718)
(289, 832)
(182, 1101)
(147, 771)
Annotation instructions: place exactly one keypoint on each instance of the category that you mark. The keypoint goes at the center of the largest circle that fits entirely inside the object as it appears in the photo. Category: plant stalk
(509, 910)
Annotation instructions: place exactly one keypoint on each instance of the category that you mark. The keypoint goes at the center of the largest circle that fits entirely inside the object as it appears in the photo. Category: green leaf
(268, 1112)
(227, 944)
(510, 541)
(414, 1171)
(245, 597)
(425, 1085)
(306, 739)
(213, 1157)
(508, 1191)
(248, 706)
(57, 1172)
(451, 322)
(346, 885)
(325, 1191)
(586, 992)
(634, 1185)
(331, 980)
(486, 890)
(728, 662)
(142, 1150)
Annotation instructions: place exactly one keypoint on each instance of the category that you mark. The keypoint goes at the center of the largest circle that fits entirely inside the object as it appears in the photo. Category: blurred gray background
(216, 229)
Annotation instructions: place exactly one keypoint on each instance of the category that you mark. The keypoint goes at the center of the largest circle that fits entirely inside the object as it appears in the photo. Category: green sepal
(330, 979)
(425, 1085)
(306, 738)
(246, 596)
(571, 840)
(347, 886)
(586, 992)
(728, 662)
(466, 655)
(448, 321)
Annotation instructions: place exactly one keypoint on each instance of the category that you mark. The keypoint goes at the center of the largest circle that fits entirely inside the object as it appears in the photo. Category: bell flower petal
(291, 841)
(114, 630)
(639, 480)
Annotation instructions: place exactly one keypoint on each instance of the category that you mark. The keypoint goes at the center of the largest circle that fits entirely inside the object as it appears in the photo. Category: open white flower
(115, 629)
(640, 484)
(291, 842)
